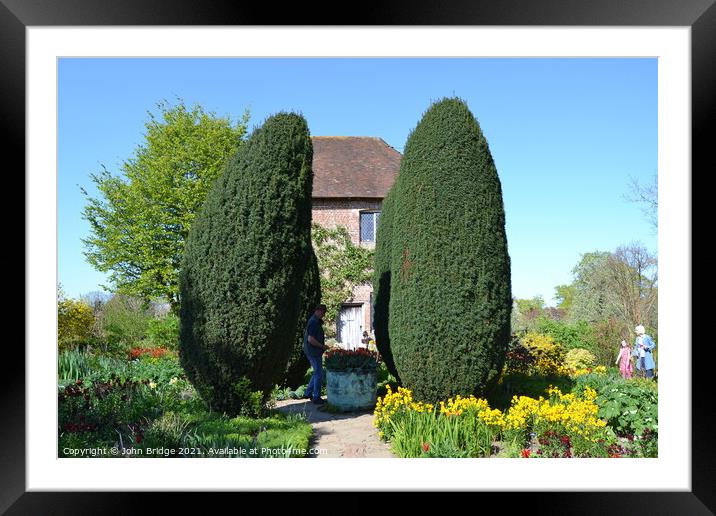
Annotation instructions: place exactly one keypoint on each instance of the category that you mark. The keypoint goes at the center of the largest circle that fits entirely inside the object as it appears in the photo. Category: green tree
(591, 287)
(140, 220)
(450, 298)
(564, 294)
(621, 285)
(526, 312)
(244, 266)
(343, 266)
(310, 297)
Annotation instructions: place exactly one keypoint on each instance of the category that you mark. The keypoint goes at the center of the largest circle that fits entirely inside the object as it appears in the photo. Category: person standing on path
(624, 360)
(314, 344)
(643, 352)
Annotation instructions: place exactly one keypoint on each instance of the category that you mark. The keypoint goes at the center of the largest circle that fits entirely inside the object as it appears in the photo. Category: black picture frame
(699, 15)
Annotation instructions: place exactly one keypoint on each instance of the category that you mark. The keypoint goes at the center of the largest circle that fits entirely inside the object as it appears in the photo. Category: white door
(350, 327)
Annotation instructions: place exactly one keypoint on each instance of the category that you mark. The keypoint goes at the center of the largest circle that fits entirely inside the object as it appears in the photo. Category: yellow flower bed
(392, 402)
(574, 373)
(576, 415)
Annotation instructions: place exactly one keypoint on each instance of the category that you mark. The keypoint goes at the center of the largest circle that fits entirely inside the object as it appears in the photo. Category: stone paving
(341, 435)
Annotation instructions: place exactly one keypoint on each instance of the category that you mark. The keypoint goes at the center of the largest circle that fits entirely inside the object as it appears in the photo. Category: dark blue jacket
(314, 328)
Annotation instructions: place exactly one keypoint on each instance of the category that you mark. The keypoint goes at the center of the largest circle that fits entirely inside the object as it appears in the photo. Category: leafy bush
(577, 358)
(125, 321)
(169, 431)
(243, 268)
(569, 336)
(629, 408)
(450, 300)
(163, 332)
(548, 355)
(75, 320)
(310, 297)
(531, 385)
(519, 360)
(607, 336)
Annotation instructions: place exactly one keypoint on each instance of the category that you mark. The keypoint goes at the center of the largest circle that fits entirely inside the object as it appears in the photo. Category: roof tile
(353, 166)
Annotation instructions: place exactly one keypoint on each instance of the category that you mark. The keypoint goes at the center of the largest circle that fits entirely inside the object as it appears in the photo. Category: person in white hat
(643, 348)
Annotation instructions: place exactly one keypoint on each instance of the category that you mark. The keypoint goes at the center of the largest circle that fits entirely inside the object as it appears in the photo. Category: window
(368, 225)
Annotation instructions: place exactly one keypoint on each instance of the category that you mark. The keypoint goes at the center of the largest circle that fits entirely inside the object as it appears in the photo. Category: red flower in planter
(526, 454)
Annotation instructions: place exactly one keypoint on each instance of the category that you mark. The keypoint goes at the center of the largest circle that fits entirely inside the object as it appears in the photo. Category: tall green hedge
(450, 294)
(310, 297)
(244, 265)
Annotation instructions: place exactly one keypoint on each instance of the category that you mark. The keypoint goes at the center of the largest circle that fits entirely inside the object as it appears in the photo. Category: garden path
(339, 435)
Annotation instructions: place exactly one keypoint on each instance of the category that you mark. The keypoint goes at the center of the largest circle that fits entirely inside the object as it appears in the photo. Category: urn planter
(351, 389)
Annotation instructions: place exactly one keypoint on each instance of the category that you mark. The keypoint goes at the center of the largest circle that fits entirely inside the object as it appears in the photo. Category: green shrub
(125, 321)
(75, 320)
(577, 358)
(244, 265)
(167, 431)
(310, 297)
(548, 355)
(450, 299)
(163, 332)
(607, 337)
(630, 407)
(569, 336)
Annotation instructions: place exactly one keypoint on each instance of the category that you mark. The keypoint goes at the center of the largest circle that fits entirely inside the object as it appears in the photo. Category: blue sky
(566, 136)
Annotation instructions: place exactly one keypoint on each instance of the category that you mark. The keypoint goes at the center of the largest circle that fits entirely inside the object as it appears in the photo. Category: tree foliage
(310, 297)
(141, 218)
(244, 266)
(526, 313)
(622, 285)
(450, 299)
(564, 294)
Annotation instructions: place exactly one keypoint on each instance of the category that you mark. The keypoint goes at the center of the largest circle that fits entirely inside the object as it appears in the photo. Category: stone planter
(351, 389)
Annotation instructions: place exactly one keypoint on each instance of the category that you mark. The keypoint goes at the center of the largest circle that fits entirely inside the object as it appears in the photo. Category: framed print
(680, 38)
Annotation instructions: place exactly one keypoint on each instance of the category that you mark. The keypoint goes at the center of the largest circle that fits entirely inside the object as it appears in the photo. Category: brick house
(351, 176)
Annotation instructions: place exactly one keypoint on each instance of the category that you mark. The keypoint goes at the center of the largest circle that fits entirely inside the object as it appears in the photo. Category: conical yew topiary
(310, 297)
(450, 295)
(244, 266)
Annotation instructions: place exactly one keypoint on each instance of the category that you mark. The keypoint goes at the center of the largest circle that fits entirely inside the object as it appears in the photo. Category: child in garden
(624, 360)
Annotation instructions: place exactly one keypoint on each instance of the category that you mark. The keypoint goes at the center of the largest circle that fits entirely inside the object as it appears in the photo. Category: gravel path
(344, 435)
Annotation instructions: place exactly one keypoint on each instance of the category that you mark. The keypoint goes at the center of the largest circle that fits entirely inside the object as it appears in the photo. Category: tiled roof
(353, 166)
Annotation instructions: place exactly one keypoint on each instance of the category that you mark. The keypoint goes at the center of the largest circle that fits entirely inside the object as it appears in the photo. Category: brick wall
(330, 213)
